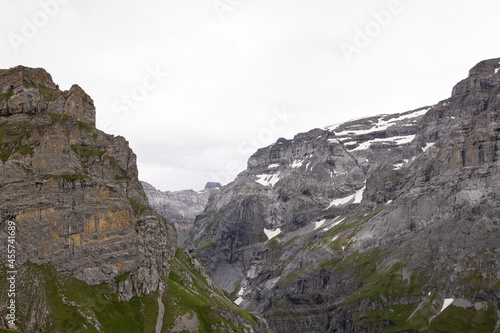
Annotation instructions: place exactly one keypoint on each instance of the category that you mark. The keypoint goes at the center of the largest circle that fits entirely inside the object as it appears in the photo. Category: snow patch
(381, 124)
(238, 300)
(318, 224)
(334, 224)
(398, 166)
(427, 146)
(357, 197)
(447, 302)
(297, 164)
(307, 166)
(272, 233)
(268, 180)
(400, 140)
(334, 238)
(272, 166)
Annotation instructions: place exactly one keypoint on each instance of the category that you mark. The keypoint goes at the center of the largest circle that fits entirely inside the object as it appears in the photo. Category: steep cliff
(179, 207)
(91, 255)
(388, 223)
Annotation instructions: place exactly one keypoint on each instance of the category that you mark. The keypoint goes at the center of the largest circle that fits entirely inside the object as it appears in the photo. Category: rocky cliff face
(79, 208)
(179, 207)
(388, 223)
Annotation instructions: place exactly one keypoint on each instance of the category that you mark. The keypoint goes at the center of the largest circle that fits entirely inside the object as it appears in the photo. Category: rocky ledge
(387, 223)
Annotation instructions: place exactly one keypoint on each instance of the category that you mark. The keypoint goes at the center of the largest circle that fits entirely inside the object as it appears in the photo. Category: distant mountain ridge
(180, 207)
(384, 224)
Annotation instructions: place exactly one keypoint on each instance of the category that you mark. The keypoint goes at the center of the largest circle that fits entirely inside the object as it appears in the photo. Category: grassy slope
(74, 306)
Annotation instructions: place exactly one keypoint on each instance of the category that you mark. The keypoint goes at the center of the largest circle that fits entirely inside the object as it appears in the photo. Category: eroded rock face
(367, 225)
(31, 90)
(180, 207)
(74, 195)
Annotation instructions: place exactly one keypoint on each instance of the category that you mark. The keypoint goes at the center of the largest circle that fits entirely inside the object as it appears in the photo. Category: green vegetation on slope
(78, 307)
(191, 297)
(71, 305)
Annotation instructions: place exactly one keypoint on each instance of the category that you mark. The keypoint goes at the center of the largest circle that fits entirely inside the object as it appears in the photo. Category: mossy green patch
(206, 245)
(385, 285)
(49, 94)
(290, 278)
(274, 243)
(282, 305)
(74, 177)
(121, 172)
(190, 296)
(236, 289)
(87, 152)
(24, 149)
(29, 85)
(389, 319)
(137, 207)
(78, 307)
(456, 319)
(55, 117)
(6, 95)
(85, 126)
(122, 277)
(5, 154)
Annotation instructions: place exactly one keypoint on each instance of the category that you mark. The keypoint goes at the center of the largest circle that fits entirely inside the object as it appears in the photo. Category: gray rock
(74, 195)
(410, 198)
(180, 207)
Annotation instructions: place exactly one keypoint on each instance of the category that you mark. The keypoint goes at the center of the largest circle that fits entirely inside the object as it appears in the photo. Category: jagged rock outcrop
(388, 223)
(81, 214)
(31, 90)
(179, 207)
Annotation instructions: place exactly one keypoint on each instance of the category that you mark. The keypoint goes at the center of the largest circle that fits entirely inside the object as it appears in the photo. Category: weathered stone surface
(74, 195)
(31, 90)
(367, 218)
(180, 207)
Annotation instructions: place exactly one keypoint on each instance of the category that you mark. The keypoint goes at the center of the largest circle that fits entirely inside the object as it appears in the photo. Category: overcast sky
(197, 86)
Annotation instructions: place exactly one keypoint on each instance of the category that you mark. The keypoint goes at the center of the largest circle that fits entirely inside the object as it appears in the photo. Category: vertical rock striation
(179, 207)
(74, 195)
(372, 225)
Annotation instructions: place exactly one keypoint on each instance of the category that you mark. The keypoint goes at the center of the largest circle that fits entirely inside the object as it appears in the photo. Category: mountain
(86, 252)
(179, 207)
(388, 223)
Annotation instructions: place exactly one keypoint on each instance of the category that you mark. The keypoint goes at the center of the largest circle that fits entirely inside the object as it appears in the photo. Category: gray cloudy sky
(197, 86)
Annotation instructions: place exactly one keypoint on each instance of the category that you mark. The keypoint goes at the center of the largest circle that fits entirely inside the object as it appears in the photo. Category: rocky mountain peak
(25, 90)
(386, 223)
(482, 77)
(212, 186)
(91, 254)
(180, 207)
